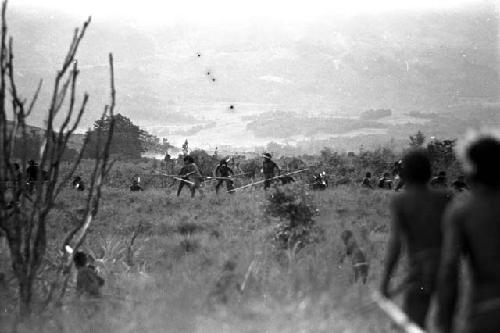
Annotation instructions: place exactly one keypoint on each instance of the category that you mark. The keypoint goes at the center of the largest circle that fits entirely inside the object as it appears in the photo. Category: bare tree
(24, 209)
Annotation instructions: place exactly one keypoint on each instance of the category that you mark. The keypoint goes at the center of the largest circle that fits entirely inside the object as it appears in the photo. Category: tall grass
(210, 265)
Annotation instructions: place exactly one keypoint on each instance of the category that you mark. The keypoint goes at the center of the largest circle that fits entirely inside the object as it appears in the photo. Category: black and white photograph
(250, 166)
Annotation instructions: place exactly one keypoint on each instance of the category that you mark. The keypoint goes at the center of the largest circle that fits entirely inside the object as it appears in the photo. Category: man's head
(416, 167)
(267, 156)
(368, 175)
(31, 162)
(188, 159)
(442, 174)
(386, 175)
(484, 156)
(80, 259)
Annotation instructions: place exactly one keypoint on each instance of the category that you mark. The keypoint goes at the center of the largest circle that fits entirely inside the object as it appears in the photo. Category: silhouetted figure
(88, 281)
(199, 55)
(367, 181)
(135, 187)
(213, 80)
(268, 168)
(223, 170)
(360, 265)
(192, 175)
(416, 224)
(440, 181)
(459, 184)
(78, 184)
(472, 232)
(396, 173)
(385, 182)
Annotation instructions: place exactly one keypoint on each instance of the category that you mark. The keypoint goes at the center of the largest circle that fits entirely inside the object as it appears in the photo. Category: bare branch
(34, 98)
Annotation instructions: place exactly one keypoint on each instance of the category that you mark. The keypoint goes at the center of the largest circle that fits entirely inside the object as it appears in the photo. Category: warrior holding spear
(222, 173)
(268, 167)
(190, 176)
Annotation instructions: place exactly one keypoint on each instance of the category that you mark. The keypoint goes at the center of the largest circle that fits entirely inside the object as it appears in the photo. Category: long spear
(395, 314)
(177, 177)
(262, 181)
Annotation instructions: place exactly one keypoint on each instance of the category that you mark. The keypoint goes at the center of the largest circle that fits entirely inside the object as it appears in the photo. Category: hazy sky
(154, 12)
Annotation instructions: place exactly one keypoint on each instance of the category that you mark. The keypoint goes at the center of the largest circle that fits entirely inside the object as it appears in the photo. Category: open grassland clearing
(209, 265)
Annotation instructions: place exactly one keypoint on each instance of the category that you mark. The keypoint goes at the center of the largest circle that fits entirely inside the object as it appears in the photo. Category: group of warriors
(434, 229)
(397, 182)
(438, 230)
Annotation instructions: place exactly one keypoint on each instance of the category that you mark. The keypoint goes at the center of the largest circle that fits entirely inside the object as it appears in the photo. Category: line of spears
(185, 178)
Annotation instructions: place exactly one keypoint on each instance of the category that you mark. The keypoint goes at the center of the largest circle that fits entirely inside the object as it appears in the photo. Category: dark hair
(80, 259)
(416, 167)
(484, 154)
(442, 174)
(188, 159)
(368, 174)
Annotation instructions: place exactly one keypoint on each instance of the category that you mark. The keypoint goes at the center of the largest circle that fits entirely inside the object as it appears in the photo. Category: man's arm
(448, 275)
(393, 250)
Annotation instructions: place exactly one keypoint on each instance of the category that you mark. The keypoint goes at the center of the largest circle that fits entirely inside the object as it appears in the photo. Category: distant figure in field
(472, 232)
(88, 281)
(440, 181)
(416, 224)
(78, 184)
(367, 181)
(135, 187)
(358, 259)
(459, 184)
(224, 172)
(396, 173)
(191, 176)
(385, 182)
(268, 168)
(320, 182)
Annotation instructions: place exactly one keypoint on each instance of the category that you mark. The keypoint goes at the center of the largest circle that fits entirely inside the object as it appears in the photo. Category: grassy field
(209, 265)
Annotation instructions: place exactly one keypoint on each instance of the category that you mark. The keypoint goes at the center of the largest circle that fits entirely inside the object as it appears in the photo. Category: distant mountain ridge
(426, 62)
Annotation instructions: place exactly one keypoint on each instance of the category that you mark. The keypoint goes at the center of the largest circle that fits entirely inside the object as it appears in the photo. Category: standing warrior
(416, 224)
(191, 176)
(360, 265)
(268, 167)
(472, 232)
(223, 170)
